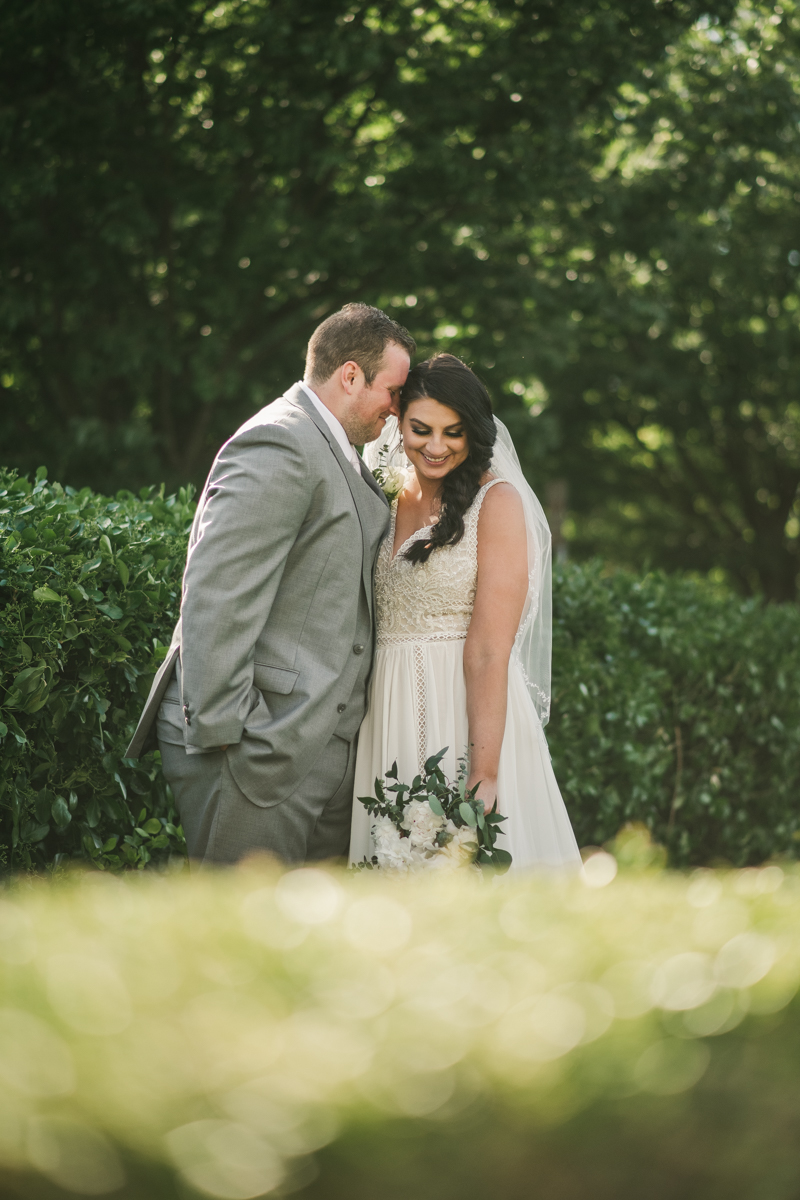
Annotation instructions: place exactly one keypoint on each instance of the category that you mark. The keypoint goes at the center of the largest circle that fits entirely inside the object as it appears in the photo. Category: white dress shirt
(336, 428)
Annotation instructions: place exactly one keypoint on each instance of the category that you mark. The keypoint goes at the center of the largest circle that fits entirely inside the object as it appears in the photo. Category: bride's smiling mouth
(435, 462)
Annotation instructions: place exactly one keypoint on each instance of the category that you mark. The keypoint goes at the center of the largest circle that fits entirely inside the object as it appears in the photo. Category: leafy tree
(676, 380)
(187, 188)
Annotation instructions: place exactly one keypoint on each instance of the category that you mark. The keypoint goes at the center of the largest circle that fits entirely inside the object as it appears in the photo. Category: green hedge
(676, 704)
(240, 1033)
(89, 586)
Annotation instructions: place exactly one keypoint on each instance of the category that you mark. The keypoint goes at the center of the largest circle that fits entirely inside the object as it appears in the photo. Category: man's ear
(350, 375)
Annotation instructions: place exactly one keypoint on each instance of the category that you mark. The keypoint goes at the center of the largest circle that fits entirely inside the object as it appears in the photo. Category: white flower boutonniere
(390, 479)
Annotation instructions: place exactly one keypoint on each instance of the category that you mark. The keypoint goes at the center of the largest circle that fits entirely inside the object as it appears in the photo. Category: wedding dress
(418, 698)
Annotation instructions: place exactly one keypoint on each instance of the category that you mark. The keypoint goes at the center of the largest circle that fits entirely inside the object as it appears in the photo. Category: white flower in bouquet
(463, 847)
(422, 824)
(460, 851)
(393, 851)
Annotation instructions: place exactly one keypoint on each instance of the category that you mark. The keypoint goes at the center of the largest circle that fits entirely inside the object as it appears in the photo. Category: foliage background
(596, 204)
(90, 590)
(674, 700)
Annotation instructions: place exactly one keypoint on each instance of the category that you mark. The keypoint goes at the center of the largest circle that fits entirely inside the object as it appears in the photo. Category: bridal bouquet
(432, 824)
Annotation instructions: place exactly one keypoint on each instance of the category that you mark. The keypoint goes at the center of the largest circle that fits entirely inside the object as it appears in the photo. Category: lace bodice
(431, 601)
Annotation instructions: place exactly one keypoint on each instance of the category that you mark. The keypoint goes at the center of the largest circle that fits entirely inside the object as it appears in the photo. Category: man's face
(371, 403)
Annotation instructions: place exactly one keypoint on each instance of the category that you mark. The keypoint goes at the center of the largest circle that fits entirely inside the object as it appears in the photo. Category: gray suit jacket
(278, 574)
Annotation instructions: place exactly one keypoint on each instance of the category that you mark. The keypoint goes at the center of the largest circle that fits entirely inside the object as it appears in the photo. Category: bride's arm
(499, 599)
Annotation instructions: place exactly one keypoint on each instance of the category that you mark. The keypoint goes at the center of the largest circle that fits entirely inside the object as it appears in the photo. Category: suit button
(186, 716)
(341, 707)
(358, 649)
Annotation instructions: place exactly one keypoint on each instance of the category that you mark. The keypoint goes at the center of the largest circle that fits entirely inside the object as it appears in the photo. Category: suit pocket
(274, 679)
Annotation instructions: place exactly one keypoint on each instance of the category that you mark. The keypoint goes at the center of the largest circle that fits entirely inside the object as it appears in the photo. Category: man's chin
(375, 430)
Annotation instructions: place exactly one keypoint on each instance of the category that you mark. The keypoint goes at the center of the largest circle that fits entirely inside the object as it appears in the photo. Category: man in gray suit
(258, 703)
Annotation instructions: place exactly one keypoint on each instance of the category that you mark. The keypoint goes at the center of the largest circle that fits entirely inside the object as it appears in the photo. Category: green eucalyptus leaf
(468, 815)
(433, 762)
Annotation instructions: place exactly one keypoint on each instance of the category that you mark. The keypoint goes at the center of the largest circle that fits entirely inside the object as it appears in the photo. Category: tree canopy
(677, 391)
(595, 204)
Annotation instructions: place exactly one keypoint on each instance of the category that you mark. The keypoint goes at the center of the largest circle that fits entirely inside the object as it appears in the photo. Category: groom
(259, 700)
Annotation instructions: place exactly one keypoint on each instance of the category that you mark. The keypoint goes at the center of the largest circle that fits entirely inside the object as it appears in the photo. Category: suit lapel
(372, 482)
(365, 505)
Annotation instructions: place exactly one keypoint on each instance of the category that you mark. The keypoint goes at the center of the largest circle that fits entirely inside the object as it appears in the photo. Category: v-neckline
(395, 554)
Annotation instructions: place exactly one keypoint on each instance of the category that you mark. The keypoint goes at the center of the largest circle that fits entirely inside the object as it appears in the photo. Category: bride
(462, 594)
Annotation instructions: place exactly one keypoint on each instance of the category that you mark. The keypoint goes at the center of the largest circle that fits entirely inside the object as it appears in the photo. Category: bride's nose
(436, 446)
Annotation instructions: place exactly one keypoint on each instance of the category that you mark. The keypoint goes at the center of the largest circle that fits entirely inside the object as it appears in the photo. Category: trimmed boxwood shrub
(89, 587)
(675, 703)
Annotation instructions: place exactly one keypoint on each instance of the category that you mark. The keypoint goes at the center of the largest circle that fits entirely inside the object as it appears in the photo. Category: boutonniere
(391, 480)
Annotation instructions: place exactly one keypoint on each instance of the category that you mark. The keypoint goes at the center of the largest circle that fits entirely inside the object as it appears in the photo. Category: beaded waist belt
(414, 639)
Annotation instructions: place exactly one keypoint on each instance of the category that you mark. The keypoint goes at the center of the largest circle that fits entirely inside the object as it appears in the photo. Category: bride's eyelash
(448, 432)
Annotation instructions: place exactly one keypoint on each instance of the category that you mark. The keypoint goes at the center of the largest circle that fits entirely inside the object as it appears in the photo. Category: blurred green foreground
(247, 1033)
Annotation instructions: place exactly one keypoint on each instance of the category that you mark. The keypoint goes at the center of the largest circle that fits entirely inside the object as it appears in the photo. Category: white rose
(422, 824)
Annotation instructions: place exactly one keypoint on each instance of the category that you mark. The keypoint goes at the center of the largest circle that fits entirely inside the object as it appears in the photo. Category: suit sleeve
(254, 506)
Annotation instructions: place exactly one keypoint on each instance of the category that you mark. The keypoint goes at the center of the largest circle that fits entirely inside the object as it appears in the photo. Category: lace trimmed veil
(533, 644)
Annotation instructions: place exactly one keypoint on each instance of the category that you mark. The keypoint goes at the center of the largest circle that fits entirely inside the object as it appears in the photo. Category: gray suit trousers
(222, 826)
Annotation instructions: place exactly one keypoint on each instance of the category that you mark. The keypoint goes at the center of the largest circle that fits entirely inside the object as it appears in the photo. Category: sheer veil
(532, 648)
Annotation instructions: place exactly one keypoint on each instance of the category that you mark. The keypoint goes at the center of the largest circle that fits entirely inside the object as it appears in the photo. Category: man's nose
(394, 406)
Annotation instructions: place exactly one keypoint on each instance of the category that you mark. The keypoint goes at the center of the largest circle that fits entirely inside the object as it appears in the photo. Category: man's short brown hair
(356, 333)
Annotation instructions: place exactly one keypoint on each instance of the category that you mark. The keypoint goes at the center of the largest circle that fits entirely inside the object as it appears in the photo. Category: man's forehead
(396, 362)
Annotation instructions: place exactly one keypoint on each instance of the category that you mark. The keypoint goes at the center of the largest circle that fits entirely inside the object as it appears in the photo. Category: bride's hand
(487, 791)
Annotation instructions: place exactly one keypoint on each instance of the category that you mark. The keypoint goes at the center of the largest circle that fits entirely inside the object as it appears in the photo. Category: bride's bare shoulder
(501, 506)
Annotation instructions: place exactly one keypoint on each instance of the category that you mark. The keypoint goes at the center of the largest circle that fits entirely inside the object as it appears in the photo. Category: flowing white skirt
(417, 706)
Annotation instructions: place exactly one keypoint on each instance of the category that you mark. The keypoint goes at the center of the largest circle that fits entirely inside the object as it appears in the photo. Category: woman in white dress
(462, 593)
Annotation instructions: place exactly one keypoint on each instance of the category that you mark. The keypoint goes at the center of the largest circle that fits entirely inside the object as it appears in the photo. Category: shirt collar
(335, 426)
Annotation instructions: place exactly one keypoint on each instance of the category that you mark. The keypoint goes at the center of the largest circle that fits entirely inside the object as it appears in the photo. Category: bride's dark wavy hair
(450, 381)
